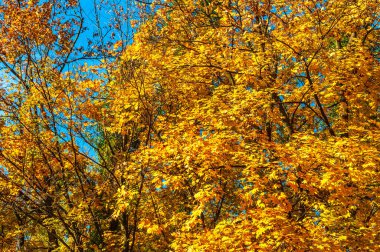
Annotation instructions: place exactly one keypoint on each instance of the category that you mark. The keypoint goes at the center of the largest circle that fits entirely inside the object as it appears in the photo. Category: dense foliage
(225, 126)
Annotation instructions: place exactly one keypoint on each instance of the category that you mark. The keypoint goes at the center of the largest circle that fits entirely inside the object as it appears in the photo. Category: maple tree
(225, 125)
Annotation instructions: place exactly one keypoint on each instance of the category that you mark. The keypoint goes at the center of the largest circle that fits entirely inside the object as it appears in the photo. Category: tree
(263, 120)
(225, 125)
(52, 180)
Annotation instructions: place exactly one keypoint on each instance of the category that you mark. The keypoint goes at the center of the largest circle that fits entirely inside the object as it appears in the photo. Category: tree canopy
(223, 126)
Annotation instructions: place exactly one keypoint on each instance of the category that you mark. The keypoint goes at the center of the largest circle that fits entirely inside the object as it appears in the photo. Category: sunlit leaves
(224, 126)
(259, 121)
